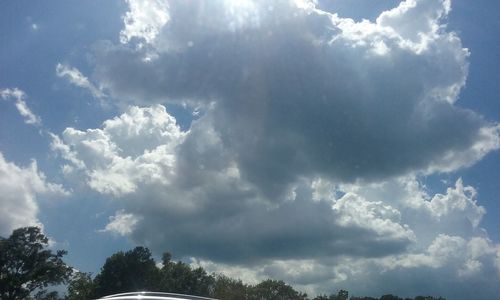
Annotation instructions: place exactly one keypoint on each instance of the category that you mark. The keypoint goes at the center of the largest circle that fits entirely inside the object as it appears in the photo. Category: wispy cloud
(19, 100)
(74, 76)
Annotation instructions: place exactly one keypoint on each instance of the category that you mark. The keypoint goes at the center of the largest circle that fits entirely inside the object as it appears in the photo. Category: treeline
(28, 267)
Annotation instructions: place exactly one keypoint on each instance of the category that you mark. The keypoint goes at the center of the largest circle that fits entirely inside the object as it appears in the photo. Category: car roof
(153, 296)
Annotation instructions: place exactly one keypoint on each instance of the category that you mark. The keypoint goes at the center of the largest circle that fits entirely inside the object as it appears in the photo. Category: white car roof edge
(155, 295)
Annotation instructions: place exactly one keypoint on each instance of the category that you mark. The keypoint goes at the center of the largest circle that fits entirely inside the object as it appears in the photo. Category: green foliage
(46, 295)
(275, 290)
(27, 266)
(81, 287)
(230, 289)
(178, 277)
(134, 270)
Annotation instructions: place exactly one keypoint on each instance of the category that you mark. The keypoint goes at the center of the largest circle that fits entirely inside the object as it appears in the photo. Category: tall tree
(28, 266)
(130, 271)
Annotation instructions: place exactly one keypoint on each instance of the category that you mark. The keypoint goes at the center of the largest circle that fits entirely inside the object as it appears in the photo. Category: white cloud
(19, 189)
(190, 176)
(65, 151)
(381, 218)
(121, 223)
(390, 89)
(144, 20)
(459, 199)
(19, 97)
(135, 148)
(75, 77)
(458, 257)
(415, 19)
(447, 267)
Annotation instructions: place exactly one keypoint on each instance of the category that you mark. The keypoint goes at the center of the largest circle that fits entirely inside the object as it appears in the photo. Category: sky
(333, 144)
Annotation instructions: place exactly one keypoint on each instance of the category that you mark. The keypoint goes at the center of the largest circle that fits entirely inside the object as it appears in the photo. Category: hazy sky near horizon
(326, 143)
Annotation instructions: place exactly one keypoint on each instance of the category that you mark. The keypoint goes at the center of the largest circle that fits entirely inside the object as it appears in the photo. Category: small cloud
(144, 20)
(75, 77)
(121, 223)
(18, 96)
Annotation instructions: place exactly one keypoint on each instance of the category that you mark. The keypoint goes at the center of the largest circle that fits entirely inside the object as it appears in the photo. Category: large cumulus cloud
(304, 159)
(189, 185)
(302, 86)
(183, 191)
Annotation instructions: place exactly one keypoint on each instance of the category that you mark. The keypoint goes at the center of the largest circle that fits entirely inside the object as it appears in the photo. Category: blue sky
(323, 143)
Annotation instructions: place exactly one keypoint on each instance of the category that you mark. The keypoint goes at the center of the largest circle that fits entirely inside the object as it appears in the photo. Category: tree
(321, 297)
(227, 288)
(275, 290)
(27, 266)
(129, 271)
(178, 277)
(341, 295)
(81, 287)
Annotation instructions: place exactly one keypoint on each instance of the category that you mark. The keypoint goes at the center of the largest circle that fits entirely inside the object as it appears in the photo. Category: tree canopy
(81, 287)
(28, 267)
(135, 270)
(129, 271)
(276, 290)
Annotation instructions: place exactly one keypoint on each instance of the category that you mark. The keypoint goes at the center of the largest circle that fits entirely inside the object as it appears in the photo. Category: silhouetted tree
(341, 295)
(129, 271)
(179, 277)
(226, 288)
(28, 267)
(46, 295)
(275, 290)
(390, 297)
(136, 270)
(81, 287)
